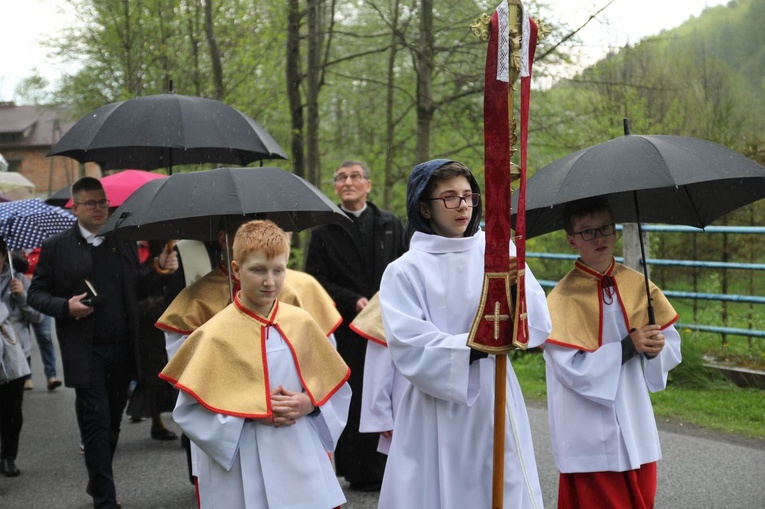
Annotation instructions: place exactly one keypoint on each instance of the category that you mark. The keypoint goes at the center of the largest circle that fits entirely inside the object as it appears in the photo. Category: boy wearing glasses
(603, 357)
(441, 452)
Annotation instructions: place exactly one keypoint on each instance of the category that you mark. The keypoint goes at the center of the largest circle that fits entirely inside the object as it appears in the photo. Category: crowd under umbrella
(645, 178)
(25, 224)
(160, 131)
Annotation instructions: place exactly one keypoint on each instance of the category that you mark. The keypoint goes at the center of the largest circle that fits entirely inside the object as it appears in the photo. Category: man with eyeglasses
(91, 285)
(604, 355)
(349, 259)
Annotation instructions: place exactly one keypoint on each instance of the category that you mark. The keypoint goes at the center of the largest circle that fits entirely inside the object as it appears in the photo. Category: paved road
(700, 469)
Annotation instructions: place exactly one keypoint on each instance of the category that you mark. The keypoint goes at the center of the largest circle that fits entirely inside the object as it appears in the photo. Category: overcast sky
(26, 22)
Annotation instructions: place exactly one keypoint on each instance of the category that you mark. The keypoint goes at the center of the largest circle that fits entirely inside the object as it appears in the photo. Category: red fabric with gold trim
(492, 329)
(521, 332)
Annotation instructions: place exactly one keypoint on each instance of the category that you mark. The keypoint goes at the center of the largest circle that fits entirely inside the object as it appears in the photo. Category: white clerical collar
(356, 213)
(89, 237)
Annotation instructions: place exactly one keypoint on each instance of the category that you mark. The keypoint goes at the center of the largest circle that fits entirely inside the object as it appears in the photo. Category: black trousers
(99, 412)
(11, 419)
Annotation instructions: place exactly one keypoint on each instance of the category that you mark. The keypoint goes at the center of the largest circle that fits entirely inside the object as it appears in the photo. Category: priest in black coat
(349, 259)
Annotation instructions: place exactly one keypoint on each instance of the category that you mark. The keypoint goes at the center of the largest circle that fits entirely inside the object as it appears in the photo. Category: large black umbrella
(160, 131)
(657, 179)
(194, 205)
(653, 179)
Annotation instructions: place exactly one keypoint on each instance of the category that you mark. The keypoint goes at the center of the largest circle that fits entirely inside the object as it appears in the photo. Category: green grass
(694, 395)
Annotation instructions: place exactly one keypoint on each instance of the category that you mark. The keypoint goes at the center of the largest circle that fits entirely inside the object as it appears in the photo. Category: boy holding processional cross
(441, 452)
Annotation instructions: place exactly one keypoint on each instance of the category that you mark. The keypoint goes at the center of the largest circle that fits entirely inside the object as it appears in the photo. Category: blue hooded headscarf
(418, 181)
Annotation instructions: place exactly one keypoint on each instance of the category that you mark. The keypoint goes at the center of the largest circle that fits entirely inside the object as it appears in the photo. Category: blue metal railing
(749, 299)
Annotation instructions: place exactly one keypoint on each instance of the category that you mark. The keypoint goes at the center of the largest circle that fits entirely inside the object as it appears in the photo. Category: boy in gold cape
(262, 391)
(603, 357)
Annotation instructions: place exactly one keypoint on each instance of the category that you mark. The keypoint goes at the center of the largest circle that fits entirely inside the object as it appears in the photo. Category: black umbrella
(194, 205)
(60, 198)
(165, 130)
(656, 179)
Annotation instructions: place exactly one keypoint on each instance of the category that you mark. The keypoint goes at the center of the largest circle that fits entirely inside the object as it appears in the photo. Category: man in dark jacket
(90, 285)
(349, 259)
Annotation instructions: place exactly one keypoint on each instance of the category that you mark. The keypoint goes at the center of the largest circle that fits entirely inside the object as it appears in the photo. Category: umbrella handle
(167, 249)
(10, 264)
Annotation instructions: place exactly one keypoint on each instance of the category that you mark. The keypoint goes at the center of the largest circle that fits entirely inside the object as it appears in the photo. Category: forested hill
(705, 79)
(733, 34)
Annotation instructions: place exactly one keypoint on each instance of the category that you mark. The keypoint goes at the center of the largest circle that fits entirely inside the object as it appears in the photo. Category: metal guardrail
(750, 299)
(722, 330)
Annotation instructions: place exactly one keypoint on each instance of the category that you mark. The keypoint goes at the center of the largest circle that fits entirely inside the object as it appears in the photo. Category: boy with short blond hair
(262, 391)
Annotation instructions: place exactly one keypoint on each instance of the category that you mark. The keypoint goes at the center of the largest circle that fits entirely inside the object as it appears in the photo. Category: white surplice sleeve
(657, 369)
(434, 361)
(377, 395)
(173, 341)
(331, 421)
(215, 434)
(592, 375)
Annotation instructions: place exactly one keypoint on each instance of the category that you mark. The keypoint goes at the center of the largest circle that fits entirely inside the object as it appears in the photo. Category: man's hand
(361, 304)
(77, 309)
(648, 339)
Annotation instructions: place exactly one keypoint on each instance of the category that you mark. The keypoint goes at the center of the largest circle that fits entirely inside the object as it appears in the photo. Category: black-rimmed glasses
(592, 233)
(453, 201)
(92, 204)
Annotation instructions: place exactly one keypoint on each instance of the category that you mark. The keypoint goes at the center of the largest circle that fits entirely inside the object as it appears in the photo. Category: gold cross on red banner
(496, 318)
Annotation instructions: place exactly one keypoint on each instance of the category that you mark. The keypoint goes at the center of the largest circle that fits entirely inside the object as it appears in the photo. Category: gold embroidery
(496, 318)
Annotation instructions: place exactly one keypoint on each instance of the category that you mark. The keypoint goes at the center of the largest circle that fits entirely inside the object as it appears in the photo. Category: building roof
(31, 126)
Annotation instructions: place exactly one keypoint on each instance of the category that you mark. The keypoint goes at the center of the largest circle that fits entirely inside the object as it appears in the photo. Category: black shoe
(163, 434)
(135, 419)
(53, 383)
(8, 468)
(90, 494)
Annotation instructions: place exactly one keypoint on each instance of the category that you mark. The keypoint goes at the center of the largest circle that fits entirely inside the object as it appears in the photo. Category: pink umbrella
(119, 186)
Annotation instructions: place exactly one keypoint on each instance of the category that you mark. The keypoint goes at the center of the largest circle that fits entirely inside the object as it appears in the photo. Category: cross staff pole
(500, 324)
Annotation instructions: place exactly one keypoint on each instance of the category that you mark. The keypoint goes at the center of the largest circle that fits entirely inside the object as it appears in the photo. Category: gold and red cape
(223, 364)
(368, 323)
(576, 302)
